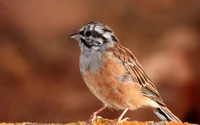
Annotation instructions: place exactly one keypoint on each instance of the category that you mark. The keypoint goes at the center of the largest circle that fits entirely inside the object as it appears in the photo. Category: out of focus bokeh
(39, 65)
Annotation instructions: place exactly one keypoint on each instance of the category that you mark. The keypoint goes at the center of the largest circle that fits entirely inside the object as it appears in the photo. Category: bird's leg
(94, 115)
(120, 117)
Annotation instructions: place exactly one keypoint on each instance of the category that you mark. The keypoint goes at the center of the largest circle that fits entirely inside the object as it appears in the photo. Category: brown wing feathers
(137, 72)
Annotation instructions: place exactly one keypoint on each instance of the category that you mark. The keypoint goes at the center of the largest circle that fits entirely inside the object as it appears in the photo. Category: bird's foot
(124, 119)
(91, 119)
(117, 122)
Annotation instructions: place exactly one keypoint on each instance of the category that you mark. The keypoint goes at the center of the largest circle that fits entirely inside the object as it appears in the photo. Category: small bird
(114, 75)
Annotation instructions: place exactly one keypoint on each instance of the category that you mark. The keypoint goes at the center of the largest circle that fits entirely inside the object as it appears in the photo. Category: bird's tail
(165, 114)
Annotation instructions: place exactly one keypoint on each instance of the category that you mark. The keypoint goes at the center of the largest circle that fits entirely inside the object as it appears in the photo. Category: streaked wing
(138, 74)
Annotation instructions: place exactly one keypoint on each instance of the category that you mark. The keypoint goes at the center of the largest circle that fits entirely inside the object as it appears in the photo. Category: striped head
(95, 36)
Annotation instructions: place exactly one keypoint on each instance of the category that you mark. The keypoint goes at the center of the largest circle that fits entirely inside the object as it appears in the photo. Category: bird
(114, 75)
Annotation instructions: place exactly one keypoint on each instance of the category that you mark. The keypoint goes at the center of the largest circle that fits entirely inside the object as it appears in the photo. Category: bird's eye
(81, 32)
(88, 33)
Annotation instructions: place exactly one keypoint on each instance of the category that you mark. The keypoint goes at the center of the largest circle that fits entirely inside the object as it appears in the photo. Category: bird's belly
(108, 93)
(109, 86)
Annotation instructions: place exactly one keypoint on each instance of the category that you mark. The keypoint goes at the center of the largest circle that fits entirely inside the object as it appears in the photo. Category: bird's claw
(117, 122)
(91, 119)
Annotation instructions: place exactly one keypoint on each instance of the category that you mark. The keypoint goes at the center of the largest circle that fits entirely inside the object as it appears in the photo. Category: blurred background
(39, 65)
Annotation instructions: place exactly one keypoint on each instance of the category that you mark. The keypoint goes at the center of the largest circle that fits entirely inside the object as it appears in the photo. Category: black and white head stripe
(95, 34)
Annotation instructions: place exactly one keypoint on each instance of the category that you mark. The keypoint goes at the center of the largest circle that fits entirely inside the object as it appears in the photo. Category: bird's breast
(110, 82)
(91, 61)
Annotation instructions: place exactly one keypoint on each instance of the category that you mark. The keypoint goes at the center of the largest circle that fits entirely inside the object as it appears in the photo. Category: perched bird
(114, 75)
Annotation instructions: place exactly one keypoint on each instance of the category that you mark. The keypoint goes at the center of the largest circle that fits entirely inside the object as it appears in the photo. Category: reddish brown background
(39, 64)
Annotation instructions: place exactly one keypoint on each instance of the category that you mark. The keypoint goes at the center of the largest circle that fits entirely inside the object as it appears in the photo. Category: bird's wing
(139, 76)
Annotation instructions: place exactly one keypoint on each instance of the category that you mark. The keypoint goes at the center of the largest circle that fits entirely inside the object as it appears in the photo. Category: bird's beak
(74, 36)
